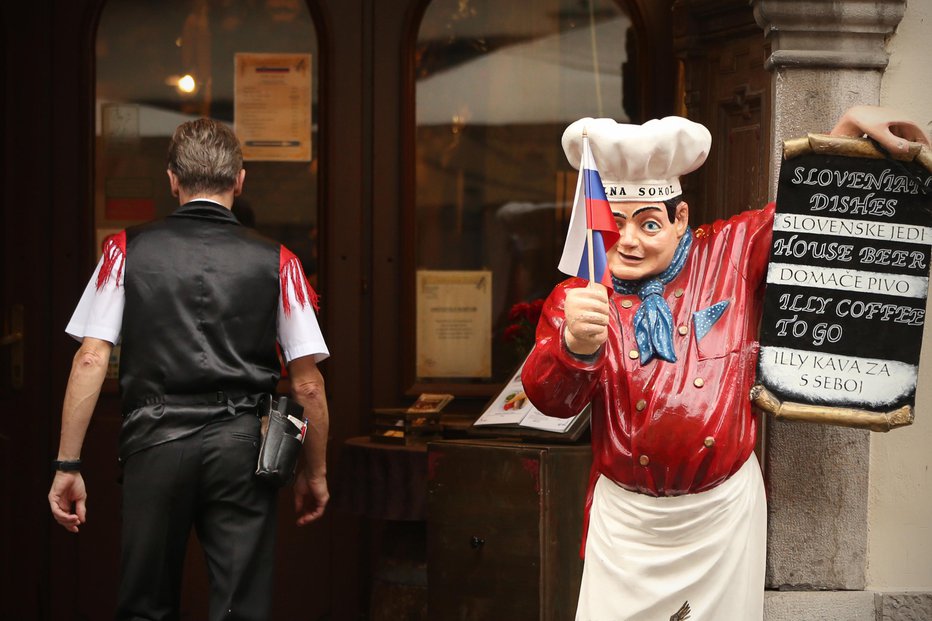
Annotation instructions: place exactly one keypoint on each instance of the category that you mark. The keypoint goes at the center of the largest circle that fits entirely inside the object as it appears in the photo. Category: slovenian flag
(591, 212)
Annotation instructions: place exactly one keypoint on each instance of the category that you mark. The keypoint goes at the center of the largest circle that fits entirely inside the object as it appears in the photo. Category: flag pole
(585, 137)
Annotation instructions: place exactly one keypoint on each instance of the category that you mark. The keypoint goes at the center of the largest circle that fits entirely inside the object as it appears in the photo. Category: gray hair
(205, 156)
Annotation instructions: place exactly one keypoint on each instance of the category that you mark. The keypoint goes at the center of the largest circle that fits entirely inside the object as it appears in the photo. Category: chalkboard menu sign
(847, 283)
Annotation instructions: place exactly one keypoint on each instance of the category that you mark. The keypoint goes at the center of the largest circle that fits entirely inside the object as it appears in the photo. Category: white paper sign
(272, 106)
(454, 324)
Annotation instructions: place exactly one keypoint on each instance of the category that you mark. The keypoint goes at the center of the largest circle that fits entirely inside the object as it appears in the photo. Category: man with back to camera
(197, 302)
(676, 512)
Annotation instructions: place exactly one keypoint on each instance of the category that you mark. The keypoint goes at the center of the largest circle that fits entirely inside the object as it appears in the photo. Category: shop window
(253, 65)
(497, 82)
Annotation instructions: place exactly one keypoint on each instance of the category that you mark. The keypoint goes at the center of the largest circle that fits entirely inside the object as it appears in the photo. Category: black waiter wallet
(283, 430)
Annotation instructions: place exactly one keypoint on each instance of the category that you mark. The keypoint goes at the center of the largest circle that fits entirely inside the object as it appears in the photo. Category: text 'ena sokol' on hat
(640, 162)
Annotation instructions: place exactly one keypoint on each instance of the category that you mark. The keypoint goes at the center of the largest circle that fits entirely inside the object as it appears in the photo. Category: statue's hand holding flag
(592, 229)
(592, 232)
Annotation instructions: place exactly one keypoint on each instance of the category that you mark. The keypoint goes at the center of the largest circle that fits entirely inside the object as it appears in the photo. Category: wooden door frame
(42, 169)
(49, 55)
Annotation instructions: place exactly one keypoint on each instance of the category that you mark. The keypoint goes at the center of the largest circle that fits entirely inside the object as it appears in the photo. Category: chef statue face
(639, 167)
(649, 237)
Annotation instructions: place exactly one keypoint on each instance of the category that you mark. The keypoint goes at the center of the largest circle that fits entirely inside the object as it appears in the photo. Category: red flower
(518, 311)
(512, 332)
(520, 332)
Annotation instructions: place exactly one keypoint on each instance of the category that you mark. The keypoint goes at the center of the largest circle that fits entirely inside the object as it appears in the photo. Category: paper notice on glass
(272, 106)
(454, 323)
(512, 407)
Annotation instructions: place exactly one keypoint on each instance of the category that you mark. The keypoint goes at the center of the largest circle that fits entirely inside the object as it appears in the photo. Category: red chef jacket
(666, 429)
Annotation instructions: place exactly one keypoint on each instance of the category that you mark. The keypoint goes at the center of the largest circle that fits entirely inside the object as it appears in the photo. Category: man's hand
(310, 486)
(891, 128)
(586, 312)
(88, 370)
(67, 490)
(310, 497)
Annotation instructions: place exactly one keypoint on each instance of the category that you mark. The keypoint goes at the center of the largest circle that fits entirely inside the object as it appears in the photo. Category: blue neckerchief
(653, 321)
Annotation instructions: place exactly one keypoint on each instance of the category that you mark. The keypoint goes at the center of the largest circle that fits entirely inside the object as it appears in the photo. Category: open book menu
(512, 407)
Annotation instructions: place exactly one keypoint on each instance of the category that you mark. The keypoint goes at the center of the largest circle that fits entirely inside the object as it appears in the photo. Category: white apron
(647, 557)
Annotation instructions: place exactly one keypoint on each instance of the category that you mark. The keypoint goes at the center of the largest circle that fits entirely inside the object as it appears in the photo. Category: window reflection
(497, 83)
(160, 64)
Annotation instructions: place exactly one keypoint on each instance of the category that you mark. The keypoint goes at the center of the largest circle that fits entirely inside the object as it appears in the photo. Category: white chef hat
(640, 162)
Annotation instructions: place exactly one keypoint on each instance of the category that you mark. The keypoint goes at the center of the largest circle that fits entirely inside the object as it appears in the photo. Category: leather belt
(217, 397)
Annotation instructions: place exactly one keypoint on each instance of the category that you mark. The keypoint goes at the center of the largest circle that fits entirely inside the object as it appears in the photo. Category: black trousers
(205, 481)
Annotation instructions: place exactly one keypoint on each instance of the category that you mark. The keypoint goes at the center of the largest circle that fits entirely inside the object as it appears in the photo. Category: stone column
(825, 57)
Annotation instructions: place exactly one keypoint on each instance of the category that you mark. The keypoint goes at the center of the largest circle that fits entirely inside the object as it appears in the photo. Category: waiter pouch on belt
(283, 430)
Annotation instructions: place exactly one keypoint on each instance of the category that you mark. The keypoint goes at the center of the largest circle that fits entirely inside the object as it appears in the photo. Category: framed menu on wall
(454, 323)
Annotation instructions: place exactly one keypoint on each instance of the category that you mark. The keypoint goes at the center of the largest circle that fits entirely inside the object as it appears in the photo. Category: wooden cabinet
(504, 525)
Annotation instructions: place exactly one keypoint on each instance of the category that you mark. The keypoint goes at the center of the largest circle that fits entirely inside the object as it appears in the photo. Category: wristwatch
(66, 465)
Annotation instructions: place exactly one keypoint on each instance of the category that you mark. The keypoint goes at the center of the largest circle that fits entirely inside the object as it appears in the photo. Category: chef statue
(666, 355)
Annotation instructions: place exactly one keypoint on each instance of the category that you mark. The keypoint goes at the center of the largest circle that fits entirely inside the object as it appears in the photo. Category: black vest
(199, 325)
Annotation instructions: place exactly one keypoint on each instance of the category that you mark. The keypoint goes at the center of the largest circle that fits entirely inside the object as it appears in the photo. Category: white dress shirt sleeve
(99, 313)
(298, 331)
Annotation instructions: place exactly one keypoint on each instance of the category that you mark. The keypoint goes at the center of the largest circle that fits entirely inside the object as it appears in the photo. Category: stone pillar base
(847, 606)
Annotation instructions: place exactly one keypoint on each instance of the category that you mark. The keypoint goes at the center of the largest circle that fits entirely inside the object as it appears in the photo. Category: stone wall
(845, 520)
